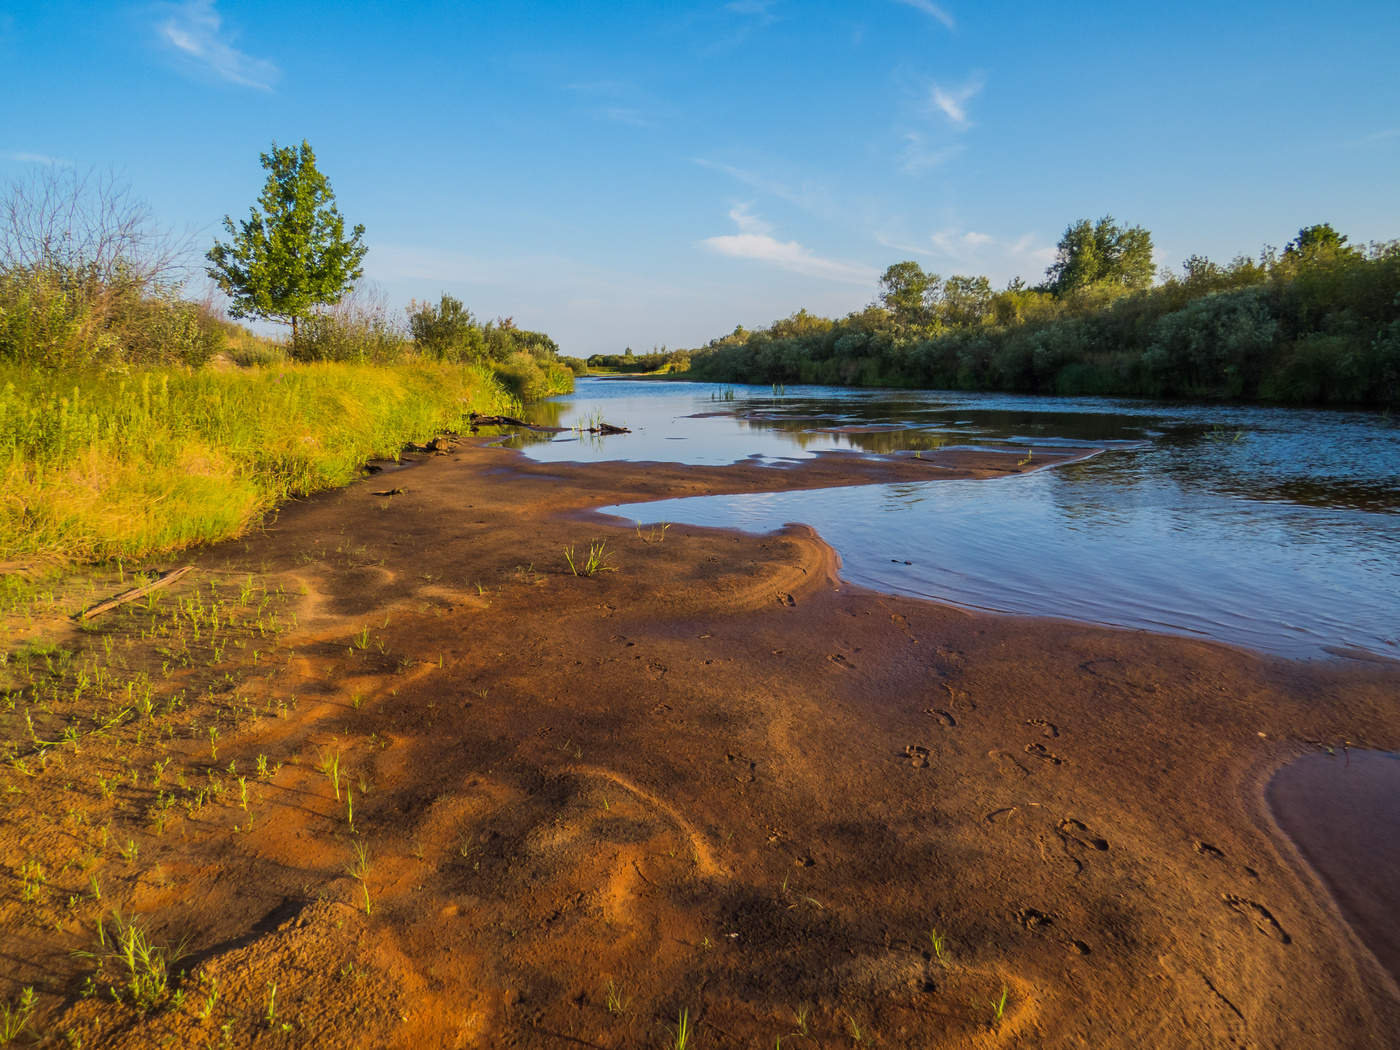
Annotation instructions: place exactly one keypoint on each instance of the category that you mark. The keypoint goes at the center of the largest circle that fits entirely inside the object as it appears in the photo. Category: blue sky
(642, 174)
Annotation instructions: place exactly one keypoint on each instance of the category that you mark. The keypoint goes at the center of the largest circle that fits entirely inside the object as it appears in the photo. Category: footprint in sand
(1259, 915)
(941, 716)
(1072, 830)
(957, 696)
(1047, 729)
(1007, 765)
(1205, 849)
(1033, 919)
(917, 755)
(1042, 752)
(841, 662)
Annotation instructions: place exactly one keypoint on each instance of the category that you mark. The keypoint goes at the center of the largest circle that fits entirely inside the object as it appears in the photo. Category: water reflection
(1273, 528)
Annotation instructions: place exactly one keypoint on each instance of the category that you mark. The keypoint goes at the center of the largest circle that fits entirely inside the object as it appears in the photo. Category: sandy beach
(709, 781)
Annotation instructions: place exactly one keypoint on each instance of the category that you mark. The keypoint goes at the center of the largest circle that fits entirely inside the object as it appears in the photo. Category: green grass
(15, 1019)
(591, 564)
(142, 974)
(96, 466)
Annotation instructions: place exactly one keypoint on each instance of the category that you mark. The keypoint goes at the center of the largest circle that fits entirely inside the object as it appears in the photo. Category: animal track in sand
(918, 755)
(1042, 752)
(943, 717)
(841, 662)
(1205, 849)
(1072, 830)
(1047, 729)
(1257, 914)
(746, 769)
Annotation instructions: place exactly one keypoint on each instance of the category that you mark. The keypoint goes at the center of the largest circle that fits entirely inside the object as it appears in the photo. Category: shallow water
(1277, 529)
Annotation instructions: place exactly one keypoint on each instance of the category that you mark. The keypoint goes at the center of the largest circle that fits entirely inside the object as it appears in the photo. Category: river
(1277, 529)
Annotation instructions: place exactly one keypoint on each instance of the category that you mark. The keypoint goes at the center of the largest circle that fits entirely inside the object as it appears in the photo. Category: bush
(357, 329)
(85, 281)
(524, 377)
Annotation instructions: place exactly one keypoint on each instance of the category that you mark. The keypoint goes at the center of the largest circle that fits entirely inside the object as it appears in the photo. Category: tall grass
(95, 466)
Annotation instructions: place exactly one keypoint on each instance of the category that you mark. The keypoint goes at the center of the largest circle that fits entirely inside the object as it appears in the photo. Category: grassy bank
(98, 466)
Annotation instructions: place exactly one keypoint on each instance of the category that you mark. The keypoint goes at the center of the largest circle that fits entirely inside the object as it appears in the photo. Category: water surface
(1277, 529)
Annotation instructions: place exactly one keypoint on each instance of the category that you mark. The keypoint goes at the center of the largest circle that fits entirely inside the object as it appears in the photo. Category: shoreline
(716, 780)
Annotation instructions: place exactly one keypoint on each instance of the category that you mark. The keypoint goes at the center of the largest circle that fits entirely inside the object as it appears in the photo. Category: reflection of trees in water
(545, 413)
(810, 430)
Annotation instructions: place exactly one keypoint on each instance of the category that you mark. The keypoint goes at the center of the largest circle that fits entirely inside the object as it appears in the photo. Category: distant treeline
(660, 360)
(1317, 323)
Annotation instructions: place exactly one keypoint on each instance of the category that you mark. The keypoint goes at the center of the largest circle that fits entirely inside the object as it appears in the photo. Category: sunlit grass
(99, 466)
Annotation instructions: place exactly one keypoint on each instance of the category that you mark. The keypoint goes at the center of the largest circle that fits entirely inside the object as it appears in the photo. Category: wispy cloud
(615, 101)
(23, 157)
(931, 9)
(975, 249)
(1378, 136)
(759, 9)
(195, 29)
(810, 196)
(754, 241)
(748, 222)
(952, 102)
(920, 155)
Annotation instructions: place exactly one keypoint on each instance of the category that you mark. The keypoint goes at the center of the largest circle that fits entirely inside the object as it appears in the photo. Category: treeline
(1318, 323)
(661, 360)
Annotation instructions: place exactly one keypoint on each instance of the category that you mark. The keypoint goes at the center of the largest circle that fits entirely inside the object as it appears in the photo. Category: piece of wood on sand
(164, 580)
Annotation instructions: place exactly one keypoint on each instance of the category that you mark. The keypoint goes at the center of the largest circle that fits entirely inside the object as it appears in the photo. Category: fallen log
(164, 580)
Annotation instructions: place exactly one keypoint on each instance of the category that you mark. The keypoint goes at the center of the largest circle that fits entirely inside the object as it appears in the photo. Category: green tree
(291, 253)
(1320, 243)
(967, 301)
(908, 293)
(1101, 252)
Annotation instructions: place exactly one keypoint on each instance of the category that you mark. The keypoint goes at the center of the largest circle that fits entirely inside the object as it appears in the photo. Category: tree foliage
(1092, 253)
(291, 253)
(908, 293)
(1319, 323)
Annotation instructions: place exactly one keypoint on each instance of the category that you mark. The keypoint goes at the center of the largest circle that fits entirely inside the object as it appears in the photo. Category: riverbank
(425, 785)
(99, 465)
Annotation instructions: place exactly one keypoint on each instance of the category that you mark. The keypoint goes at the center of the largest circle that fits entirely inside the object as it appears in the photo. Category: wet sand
(1343, 811)
(715, 779)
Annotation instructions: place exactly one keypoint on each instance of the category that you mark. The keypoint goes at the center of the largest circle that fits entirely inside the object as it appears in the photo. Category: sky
(649, 174)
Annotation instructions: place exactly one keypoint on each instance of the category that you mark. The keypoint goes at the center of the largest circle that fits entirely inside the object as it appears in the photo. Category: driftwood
(164, 580)
(495, 421)
(608, 428)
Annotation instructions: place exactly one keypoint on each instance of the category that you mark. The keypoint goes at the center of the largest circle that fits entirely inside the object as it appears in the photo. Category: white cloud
(755, 242)
(809, 196)
(195, 30)
(747, 221)
(22, 157)
(952, 102)
(931, 9)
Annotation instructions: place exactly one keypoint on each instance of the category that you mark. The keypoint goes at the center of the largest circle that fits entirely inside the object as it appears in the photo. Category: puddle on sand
(1342, 811)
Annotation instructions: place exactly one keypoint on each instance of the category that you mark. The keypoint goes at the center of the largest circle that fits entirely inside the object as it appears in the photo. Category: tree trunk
(294, 331)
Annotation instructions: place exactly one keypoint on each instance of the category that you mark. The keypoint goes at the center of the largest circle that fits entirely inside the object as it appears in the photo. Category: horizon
(621, 177)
